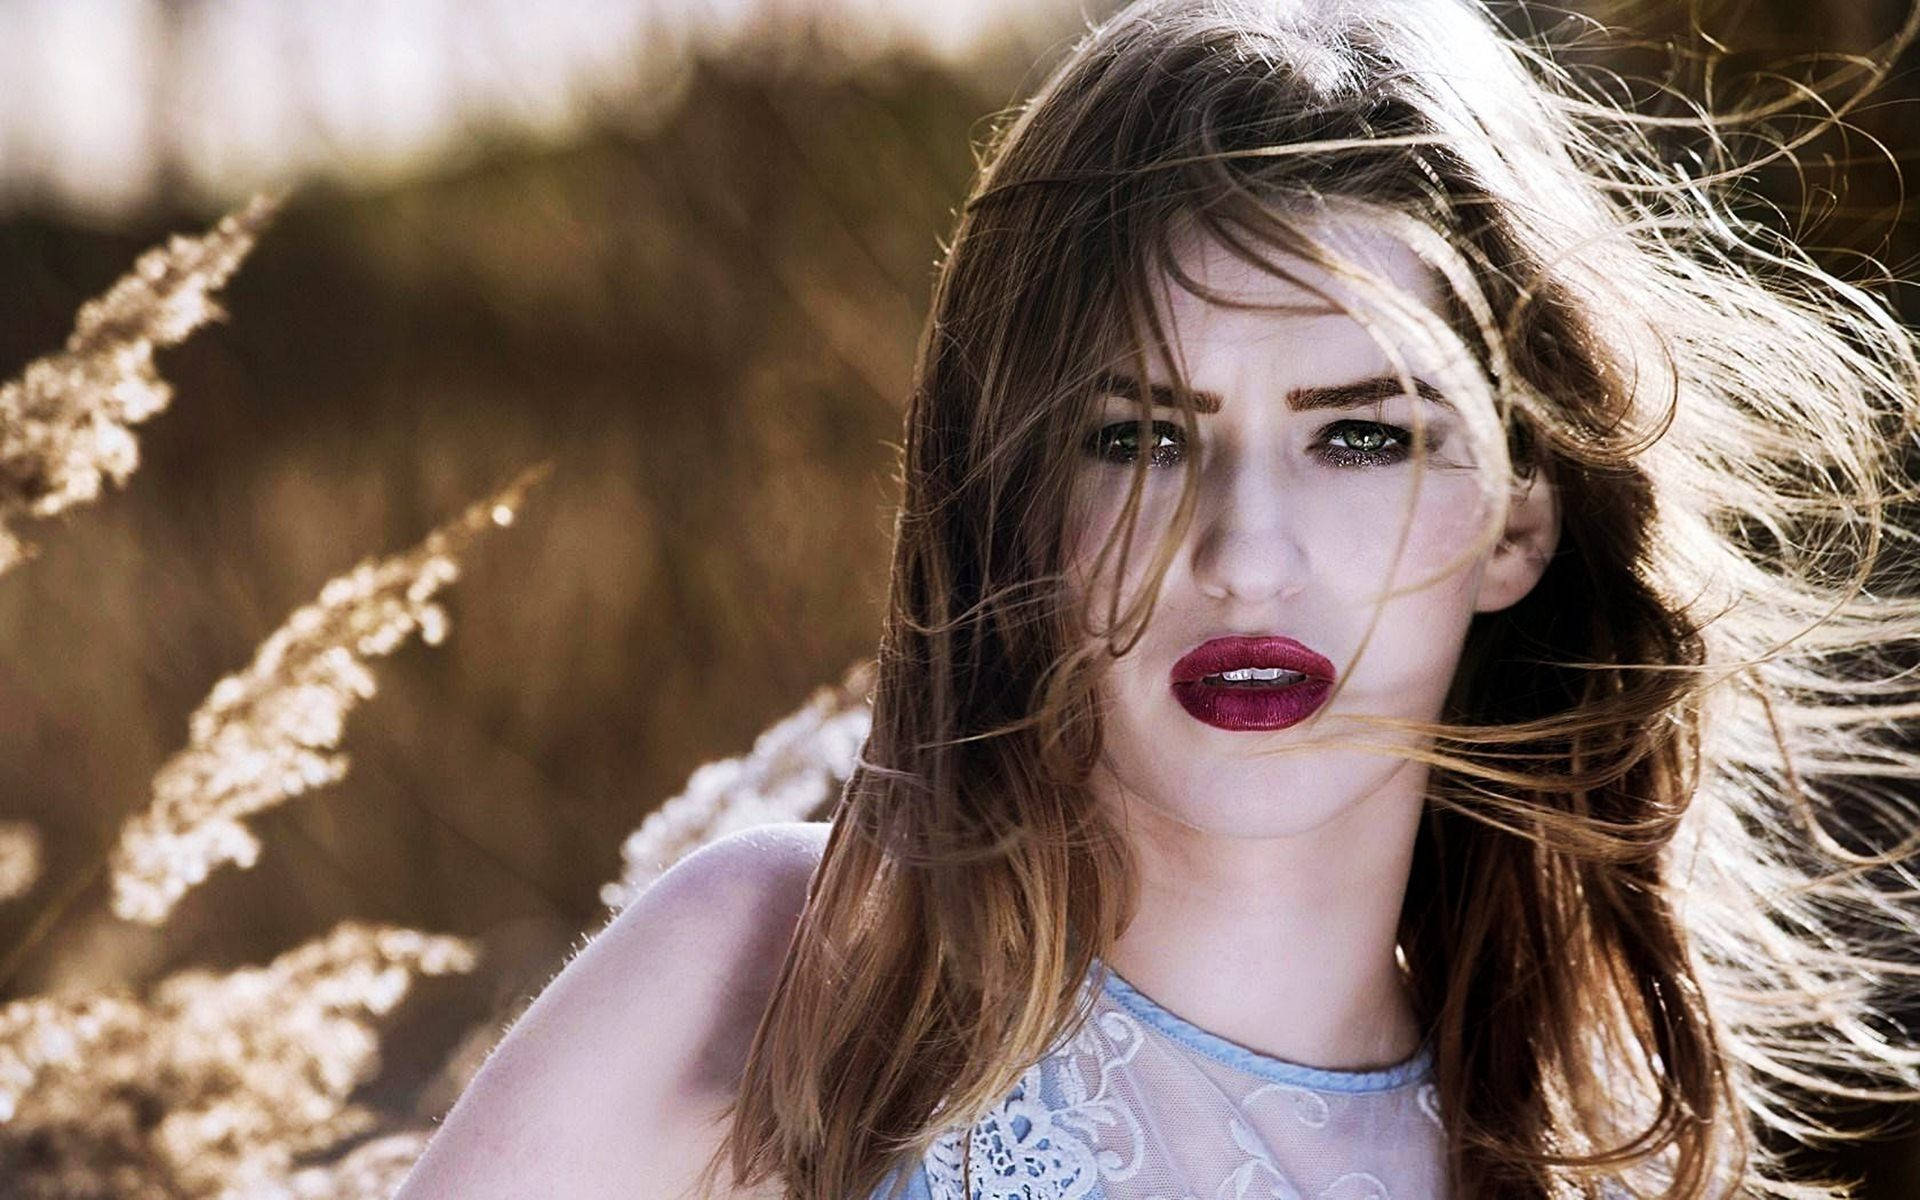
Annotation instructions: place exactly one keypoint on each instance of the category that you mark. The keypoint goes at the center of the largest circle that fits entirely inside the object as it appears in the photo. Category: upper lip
(1218, 655)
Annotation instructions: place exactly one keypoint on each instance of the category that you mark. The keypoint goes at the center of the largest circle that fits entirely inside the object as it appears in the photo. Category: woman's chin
(1261, 801)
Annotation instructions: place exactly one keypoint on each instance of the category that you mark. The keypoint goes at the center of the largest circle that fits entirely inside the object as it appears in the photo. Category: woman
(1387, 686)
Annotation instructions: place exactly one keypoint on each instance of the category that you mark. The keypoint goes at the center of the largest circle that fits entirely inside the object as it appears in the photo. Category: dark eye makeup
(1344, 443)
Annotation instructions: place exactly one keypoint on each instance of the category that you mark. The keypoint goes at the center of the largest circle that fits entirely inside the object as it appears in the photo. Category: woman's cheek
(1446, 516)
(1097, 517)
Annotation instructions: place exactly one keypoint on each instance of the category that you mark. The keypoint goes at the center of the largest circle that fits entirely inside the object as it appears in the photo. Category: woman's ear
(1532, 535)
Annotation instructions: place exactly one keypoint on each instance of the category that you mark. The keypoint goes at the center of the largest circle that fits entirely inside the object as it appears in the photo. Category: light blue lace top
(1141, 1104)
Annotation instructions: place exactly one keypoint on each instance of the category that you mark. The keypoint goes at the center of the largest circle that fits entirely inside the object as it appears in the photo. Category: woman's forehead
(1298, 283)
(1301, 311)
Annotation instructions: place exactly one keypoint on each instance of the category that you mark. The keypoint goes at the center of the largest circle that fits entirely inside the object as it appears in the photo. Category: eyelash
(1098, 443)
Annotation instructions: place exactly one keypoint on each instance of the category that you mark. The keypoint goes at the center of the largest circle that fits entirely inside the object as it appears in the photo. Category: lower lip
(1243, 708)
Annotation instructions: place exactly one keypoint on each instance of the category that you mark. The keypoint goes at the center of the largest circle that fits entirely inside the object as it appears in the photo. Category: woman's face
(1305, 478)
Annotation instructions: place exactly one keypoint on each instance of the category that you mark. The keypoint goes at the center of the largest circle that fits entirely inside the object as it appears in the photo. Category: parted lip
(1217, 655)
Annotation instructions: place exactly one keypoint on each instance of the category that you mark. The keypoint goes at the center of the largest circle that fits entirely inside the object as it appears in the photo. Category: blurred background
(680, 248)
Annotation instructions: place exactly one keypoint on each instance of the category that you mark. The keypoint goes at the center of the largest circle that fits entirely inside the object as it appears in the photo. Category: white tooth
(1259, 674)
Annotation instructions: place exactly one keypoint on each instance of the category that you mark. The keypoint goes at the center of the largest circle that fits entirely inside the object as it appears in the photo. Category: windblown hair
(1659, 909)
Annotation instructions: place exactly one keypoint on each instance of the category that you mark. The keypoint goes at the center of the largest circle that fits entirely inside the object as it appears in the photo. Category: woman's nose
(1248, 542)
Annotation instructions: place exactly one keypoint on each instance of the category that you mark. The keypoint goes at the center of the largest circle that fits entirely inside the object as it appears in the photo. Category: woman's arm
(610, 1083)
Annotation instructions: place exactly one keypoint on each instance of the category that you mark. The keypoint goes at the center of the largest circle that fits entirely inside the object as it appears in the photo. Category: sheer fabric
(1141, 1104)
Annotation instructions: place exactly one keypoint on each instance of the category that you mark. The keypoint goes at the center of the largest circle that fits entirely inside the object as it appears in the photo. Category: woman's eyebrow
(1366, 391)
(1341, 395)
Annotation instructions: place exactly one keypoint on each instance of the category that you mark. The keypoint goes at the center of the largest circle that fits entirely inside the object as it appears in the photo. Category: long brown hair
(1653, 910)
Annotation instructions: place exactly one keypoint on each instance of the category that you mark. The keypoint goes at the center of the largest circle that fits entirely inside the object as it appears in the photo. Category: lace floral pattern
(1027, 1150)
(1141, 1105)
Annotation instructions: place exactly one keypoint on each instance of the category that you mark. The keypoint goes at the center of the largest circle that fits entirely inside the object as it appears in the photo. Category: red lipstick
(1246, 683)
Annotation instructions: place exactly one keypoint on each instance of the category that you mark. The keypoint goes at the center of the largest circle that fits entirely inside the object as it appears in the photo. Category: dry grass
(796, 768)
(20, 856)
(212, 1084)
(65, 422)
(271, 731)
(239, 1085)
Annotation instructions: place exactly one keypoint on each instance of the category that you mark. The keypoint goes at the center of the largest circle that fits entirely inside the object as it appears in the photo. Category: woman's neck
(1284, 945)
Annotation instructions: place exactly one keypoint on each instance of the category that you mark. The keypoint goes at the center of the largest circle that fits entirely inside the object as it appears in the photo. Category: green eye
(1119, 442)
(1364, 443)
(1369, 441)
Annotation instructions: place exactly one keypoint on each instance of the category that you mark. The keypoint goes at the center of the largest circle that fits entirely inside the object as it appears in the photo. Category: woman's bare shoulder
(755, 884)
(613, 1081)
(720, 919)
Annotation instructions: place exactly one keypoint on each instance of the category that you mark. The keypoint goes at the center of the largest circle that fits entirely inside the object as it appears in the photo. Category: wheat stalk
(268, 733)
(65, 421)
(215, 1084)
(797, 766)
(20, 858)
